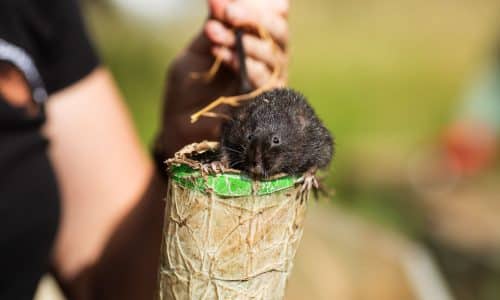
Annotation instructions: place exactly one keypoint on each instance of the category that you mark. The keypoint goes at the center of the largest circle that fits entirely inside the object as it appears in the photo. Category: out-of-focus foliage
(383, 75)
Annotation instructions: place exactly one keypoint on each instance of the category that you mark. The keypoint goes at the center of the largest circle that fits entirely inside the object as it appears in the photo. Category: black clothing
(52, 33)
(48, 38)
(29, 204)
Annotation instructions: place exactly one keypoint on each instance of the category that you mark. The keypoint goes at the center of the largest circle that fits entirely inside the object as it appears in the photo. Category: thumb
(217, 8)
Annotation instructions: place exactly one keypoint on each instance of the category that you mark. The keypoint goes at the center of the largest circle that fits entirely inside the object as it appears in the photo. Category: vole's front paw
(308, 181)
(215, 167)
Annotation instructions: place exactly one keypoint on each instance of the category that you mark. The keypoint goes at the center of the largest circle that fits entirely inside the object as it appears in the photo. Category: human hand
(186, 95)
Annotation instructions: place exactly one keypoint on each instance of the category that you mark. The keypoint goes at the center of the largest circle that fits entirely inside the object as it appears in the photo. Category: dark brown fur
(277, 132)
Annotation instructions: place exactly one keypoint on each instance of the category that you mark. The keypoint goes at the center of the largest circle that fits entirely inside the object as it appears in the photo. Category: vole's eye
(250, 137)
(276, 140)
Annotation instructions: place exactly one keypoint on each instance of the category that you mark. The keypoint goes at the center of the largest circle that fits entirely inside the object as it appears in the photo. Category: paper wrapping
(220, 247)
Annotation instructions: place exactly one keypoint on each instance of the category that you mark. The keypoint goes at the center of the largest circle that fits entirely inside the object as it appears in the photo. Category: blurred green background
(383, 75)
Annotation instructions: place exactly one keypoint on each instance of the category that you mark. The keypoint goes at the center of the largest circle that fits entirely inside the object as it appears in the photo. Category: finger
(217, 8)
(254, 47)
(219, 34)
(258, 73)
(240, 14)
(281, 7)
(263, 51)
(227, 56)
(273, 19)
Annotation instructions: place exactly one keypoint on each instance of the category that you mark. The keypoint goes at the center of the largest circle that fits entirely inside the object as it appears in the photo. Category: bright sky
(162, 10)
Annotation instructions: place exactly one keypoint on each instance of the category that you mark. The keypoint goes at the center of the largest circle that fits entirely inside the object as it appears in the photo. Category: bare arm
(111, 210)
(109, 239)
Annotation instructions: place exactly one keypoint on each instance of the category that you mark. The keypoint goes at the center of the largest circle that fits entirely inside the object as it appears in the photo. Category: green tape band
(228, 184)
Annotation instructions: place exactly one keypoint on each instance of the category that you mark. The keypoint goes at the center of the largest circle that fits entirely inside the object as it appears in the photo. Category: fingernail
(235, 12)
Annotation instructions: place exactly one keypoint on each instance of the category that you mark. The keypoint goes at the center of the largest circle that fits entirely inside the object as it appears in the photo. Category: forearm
(128, 266)
(111, 201)
(108, 244)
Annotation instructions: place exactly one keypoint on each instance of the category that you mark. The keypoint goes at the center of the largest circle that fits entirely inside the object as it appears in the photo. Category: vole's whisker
(235, 163)
(232, 150)
(240, 146)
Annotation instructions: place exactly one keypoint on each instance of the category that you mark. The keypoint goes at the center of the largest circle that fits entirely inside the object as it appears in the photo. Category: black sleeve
(53, 35)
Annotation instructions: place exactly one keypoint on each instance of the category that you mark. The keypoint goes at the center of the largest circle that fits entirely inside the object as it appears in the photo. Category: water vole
(277, 132)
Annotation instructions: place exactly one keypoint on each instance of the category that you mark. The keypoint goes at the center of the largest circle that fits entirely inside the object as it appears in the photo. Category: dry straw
(235, 100)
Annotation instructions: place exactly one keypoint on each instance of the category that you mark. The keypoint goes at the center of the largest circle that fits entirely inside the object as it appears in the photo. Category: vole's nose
(256, 168)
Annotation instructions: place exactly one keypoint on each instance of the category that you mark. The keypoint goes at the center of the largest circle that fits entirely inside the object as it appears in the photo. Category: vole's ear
(241, 114)
(302, 120)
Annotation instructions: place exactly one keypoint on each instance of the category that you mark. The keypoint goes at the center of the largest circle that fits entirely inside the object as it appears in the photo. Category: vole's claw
(204, 169)
(218, 166)
(215, 167)
(308, 181)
